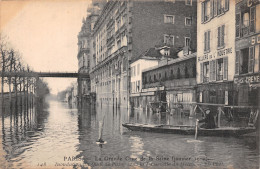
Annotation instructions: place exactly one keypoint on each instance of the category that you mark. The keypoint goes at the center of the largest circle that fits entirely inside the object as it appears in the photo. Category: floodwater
(57, 136)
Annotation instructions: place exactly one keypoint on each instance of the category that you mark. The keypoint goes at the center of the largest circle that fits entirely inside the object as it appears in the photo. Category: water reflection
(52, 134)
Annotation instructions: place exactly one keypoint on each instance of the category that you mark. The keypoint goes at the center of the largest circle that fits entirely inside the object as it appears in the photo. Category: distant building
(85, 51)
(216, 51)
(74, 94)
(149, 59)
(247, 60)
(125, 30)
(172, 81)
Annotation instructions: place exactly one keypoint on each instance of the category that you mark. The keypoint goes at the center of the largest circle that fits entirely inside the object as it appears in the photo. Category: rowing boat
(190, 130)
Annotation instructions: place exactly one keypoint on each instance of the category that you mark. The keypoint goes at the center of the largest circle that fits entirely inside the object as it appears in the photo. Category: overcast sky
(45, 33)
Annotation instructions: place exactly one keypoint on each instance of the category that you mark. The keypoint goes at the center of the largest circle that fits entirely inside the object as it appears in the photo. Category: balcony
(205, 79)
(244, 31)
(219, 77)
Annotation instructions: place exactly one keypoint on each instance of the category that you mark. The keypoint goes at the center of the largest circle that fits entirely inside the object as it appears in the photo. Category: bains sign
(247, 79)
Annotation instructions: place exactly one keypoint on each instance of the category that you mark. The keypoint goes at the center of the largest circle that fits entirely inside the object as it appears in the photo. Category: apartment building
(125, 30)
(216, 51)
(85, 51)
(247, 67)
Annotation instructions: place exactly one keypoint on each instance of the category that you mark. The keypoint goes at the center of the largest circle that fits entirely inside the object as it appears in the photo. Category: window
(245, 58)
(138, 85)
(221, 35)
(207, 41)
(220, 7)
(118, 23)
(187, 41)
(187, 21)
(246, 21)
(166, 52)
(213, 8)
(188, 2)
(168, 39)
(220, 69)
(169, 19)
(205, 9)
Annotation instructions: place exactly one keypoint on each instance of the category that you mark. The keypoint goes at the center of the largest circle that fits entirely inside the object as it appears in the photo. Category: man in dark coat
(209, 122)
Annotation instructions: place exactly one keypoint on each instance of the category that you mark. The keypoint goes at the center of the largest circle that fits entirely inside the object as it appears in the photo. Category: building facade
(247, 67)
(85, 52)
(216, 51)
(136, 72)
(125, 30)
(172, 81)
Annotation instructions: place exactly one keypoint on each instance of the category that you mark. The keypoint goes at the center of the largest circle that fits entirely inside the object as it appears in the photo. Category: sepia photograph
(135, 84)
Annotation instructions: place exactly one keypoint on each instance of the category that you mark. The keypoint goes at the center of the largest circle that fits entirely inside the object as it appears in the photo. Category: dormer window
(165, 51)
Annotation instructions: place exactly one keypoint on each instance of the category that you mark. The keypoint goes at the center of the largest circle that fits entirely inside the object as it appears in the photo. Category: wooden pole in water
(196, 129)
(219, 115)
(101, 126)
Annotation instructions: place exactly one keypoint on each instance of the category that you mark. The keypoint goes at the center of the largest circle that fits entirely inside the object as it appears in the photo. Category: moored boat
(190, 130)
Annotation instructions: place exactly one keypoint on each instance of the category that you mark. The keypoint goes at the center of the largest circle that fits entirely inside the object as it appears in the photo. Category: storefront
(247, 74)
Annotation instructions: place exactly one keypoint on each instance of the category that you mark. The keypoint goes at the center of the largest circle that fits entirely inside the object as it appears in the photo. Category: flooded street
(56, 135)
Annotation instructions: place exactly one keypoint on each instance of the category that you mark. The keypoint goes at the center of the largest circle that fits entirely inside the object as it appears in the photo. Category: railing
(206, 79)
(219, 77)
(244, 30)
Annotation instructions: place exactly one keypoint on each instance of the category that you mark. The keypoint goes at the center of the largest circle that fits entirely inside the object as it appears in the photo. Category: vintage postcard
(129, 84)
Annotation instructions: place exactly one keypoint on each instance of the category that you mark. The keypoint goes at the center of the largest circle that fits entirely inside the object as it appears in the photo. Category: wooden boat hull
(190, 130)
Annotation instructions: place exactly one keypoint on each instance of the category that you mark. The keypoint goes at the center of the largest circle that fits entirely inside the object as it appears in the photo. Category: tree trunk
(27, 93)
(15, 86)
(20, 91)
(2, 88)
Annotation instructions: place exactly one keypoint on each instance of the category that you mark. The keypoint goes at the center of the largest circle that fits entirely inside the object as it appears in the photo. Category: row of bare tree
(22, 88)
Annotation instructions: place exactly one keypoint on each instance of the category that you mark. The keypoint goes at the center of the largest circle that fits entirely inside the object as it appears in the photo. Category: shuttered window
(251, 59)
(226, 5)
(211, 8)
(237, 62)
(207, 41)
(252, 19)
(238, 23)
(221, 36)
(215, 8)
(219, 69)
(225, 76)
